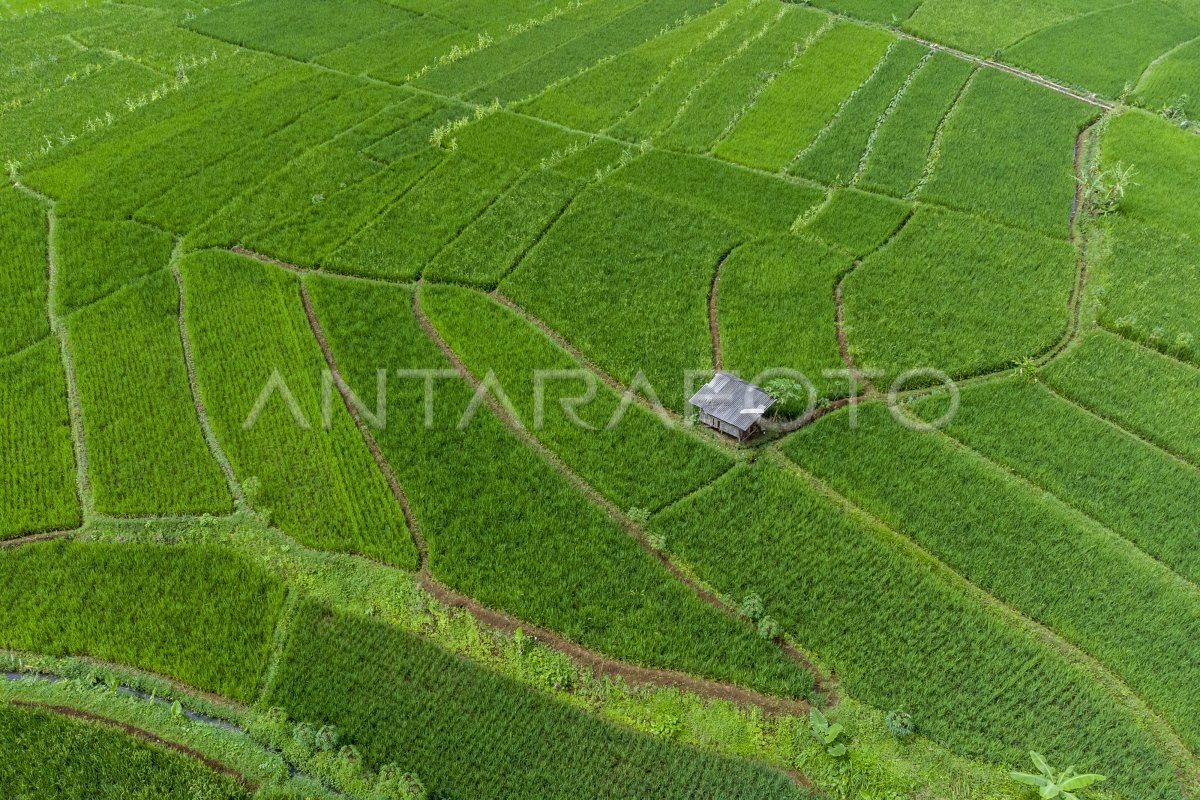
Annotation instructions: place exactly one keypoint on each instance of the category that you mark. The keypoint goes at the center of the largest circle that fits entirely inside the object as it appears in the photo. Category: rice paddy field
(350, 442)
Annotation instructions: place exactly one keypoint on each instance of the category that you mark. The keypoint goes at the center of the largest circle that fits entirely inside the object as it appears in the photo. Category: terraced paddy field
(346, 376)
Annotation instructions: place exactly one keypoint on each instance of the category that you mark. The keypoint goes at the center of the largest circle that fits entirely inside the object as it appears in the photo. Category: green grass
(791, 112)
(146, 453)
(1007, 153)
(95, 259)
(504, 526)
(899, 633)
(22, 271)
(1044, 558)
(858, 222)
(469, 732)
(1138, 389)
(625, 278)
(776, 310)
(721, 97)
(199, 614)
(38, 491)
(985, 28)
(759, 204)
(1131, 487)
(962, 295)
(657, 109)
(834, 157)
(320, 485)
(640, 463)
(1134, 35)
(902, 147)
(75, 760)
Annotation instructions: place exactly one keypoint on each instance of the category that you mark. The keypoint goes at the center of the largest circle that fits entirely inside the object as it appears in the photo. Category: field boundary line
(542, 234)
(714, 323)
(508, 189)
(1158, 60)
(599, 663)
(1147, 348)
(1190, 585)
(935, 147)
(882, 119)
(841, 109)
(139, 733)
(210, 436)
(280, 636)
(1064, 22)
(35, 538)
(1161, 730)
(58, 329)
(1130, 432)
(614, 512)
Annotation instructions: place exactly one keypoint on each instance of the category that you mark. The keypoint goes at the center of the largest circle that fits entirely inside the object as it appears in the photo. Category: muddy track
(842, 339)
(142, 734)
(714, 323)
(34, 538)
(600, 664)
(618, 515)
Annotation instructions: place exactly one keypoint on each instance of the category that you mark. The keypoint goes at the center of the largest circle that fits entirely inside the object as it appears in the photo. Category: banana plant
(826, 734)
(1052, 784)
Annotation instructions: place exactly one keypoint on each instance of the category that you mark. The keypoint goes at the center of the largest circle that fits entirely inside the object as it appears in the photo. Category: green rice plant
(760, 204)
(504, 526)
(776, 311)
(65, 758)
(492, 338)
(251, 341)
(902, 145)
(720, 98)
(146, 453)
(395, 51)
(588, 280)
(511, 140)
(478, 67)
(1030, 550)
(199, 614)
(1133, 488)
(1147, 393)
(299, 30)
(1007, 154)
(403, 700)
(197, 198)
(23, 281)
(987, 28)
(793, 109)
(834, 156)
(1170, 84)
(1167, 167)
(411, 232)
(858, 222)
(96, 259)
(961, 295)
(900, 632)
(493, 244)
(656, 111)
(1135, 34)
(37, 488)
(642, 23)
(885, 11)
(598, 97)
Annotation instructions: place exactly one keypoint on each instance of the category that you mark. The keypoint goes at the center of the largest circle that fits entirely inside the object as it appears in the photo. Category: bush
(900, 724)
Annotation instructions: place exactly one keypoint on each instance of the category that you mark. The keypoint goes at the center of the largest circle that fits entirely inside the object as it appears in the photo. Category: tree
(1052, 784)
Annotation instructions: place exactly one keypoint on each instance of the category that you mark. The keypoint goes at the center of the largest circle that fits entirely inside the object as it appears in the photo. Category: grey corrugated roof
(733, 400)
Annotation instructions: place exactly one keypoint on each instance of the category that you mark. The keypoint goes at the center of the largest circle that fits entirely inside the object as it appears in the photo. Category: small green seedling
(1052, 784)
(826, 734)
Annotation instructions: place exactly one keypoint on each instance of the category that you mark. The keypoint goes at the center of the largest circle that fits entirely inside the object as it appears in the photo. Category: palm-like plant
(1053, 784)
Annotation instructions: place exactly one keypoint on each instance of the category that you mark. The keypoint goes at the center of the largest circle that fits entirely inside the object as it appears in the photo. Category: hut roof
(732, 400)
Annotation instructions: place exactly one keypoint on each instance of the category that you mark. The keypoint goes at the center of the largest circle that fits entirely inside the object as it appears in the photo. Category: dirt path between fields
(601, 665)
(34, 538)
(143, 734)
(714, 324)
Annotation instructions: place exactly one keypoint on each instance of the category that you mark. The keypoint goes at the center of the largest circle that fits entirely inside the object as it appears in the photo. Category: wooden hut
(732, 406)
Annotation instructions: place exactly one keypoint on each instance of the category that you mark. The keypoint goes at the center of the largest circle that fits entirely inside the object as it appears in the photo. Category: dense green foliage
(70, 759)
(504, 526)
(1138, 389)
(474, 734)
(22, 271)
(95, 259)
(901, 633)
(199, 614)
(1128, 485)
(858, 222)
(146, 453)
(37, 490)
(963, 296)
(254, 348)
(639, 462)
(1044, 557)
